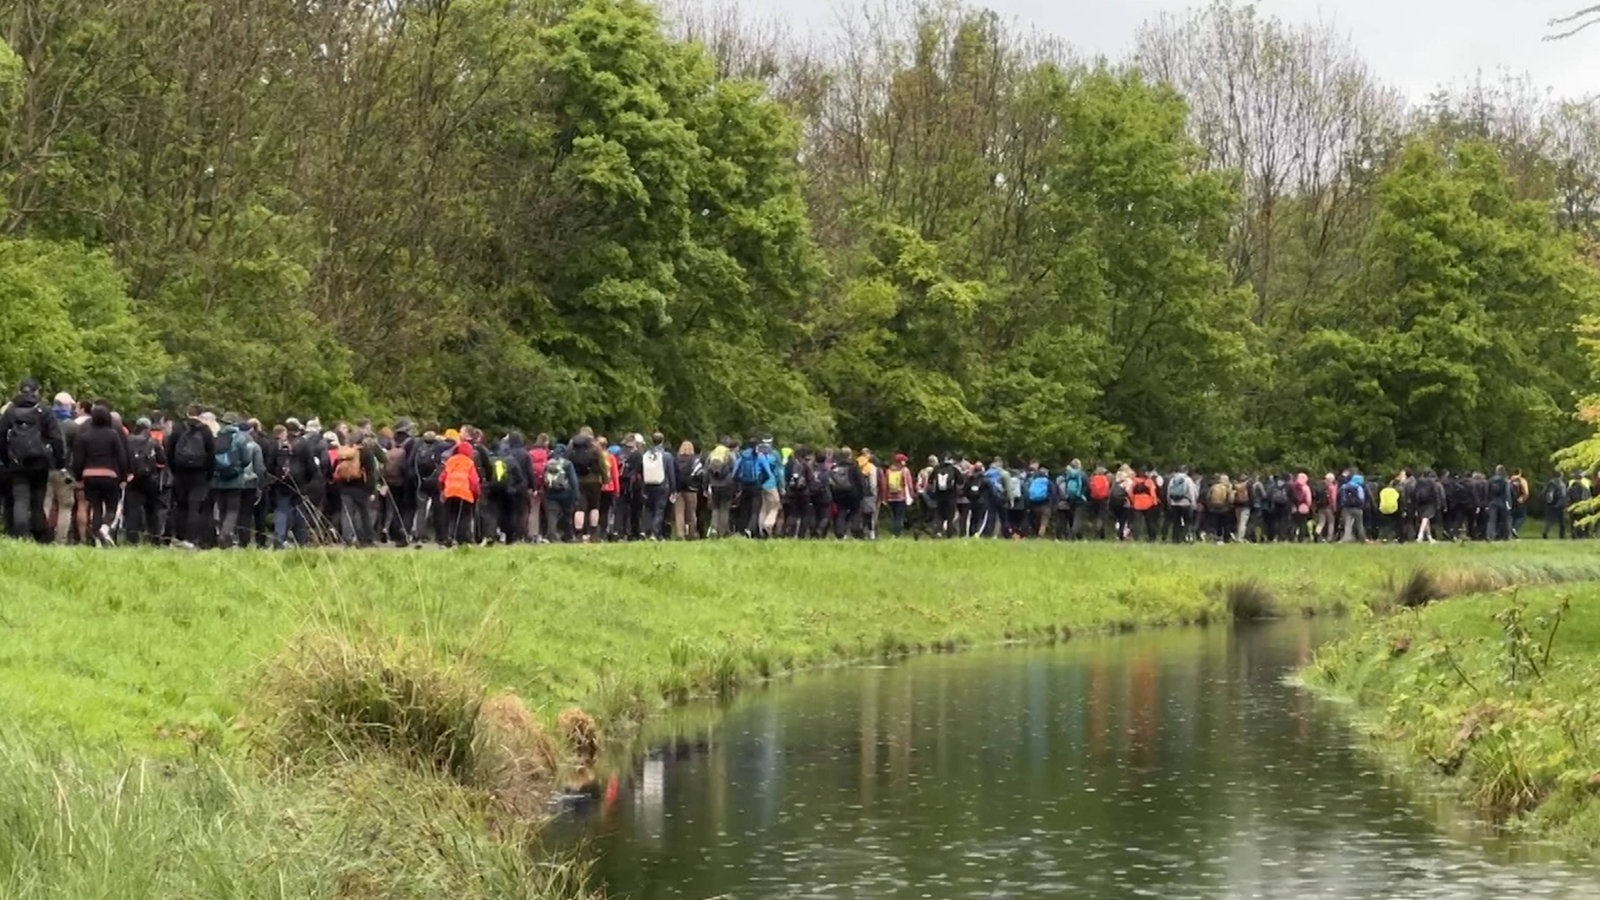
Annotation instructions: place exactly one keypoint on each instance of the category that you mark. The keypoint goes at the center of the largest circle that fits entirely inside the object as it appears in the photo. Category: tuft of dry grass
(581, 733)
(515, 760)
(1250, 601)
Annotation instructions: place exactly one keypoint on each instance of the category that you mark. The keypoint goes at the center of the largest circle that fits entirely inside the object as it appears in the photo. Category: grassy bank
(155, 650)
(383, 724)
(1493, 693)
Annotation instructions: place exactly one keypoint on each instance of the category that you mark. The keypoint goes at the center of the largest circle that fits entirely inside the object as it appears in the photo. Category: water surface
(1172, 765)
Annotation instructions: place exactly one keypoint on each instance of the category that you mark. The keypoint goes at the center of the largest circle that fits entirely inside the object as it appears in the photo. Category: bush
(1250, 601)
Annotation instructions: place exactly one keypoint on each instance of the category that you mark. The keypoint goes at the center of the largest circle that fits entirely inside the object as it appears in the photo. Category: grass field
(1494, 693)
(336, 724)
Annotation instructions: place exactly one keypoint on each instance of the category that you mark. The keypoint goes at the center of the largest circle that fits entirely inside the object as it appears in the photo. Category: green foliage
(539, 216)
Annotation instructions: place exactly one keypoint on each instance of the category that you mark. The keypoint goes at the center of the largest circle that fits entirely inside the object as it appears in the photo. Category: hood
(1358, 481)
(25, 401)
(1302, 478)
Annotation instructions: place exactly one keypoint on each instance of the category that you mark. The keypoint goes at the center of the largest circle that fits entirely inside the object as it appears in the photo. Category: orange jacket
(459, 480)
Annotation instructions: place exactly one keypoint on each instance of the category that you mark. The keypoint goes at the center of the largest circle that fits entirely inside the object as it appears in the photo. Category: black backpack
(189, 452)
(25, 444)
(1552, 493)
(1576, 492)
(839, 478)
(283, 462)
(143, 457)
(799, 477)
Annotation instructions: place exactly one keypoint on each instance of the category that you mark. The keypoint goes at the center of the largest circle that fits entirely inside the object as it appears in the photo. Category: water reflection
(1168, 765)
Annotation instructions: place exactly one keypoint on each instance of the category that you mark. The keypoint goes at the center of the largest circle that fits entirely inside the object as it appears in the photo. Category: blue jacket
(772, 474)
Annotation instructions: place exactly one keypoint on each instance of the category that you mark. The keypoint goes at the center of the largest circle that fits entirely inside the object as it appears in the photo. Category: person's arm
(55, 438)
(211, 446)
(124, 458)
(258, 461)
(476, 482)
(77, 457)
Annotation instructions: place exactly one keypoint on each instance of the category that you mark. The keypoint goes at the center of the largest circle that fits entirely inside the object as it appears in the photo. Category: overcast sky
(1416, 45)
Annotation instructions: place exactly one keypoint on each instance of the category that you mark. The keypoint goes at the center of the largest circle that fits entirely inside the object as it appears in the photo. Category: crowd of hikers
(78, 472)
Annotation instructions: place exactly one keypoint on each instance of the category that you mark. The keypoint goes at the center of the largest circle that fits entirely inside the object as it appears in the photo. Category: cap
(143, 422)
(293, 425)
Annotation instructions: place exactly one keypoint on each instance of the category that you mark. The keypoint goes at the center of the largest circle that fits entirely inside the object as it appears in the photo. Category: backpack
(347, 465)
(977, 484)
(655, 467)
(1219, 497)
(1072, 487)
(719, 466)
(394, 466)
(799, 478)
(944, 480)
(1349, 495)
(1388, 501)
(839, 478)
(555, 476)
(283, 462)
(500, 472)
(1300, 496)
(190, 451)
(142, 456)
(1278, 495)
(896, 479)
(1178, 488)
(229, 461)
(25, 439)
(1038, 489)
(750, 469)
(1241, 493)
(1100, 487)
(1576, 493)
(426, 462)
(1552, 494)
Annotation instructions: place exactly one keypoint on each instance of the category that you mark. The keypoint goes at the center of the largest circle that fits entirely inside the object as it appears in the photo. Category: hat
(450, 434)
(293, 425)
(429, 437)
(143, 422)
(331, 438)
(404, 425)
(899, 457)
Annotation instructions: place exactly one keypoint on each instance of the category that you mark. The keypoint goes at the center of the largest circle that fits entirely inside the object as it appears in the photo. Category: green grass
(1494, 693)
(380, 724)
(156, 651)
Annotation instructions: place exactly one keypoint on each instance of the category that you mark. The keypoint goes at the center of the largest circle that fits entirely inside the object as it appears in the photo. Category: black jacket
(310, 464)
(49, 430)
(176, 438)
(101, 446)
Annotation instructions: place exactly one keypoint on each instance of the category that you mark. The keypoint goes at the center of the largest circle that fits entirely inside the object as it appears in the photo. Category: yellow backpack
(1389, 501)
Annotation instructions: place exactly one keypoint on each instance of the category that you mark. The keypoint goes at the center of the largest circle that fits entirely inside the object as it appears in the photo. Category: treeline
(924, 230)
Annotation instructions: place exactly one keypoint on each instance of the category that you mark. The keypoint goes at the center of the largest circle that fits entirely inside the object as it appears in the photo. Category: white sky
(1415, 45)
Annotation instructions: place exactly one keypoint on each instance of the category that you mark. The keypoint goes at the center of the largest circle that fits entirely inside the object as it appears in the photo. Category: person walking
(102, 465)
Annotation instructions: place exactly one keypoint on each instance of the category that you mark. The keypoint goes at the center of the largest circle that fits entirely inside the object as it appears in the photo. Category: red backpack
(1100, 487)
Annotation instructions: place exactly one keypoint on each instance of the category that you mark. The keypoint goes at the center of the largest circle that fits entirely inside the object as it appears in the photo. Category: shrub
(1250, 601)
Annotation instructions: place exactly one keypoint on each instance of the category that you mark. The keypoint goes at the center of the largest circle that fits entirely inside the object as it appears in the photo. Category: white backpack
(655, 468)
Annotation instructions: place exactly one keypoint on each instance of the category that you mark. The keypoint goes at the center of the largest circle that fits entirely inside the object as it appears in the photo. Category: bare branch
(1591, 13)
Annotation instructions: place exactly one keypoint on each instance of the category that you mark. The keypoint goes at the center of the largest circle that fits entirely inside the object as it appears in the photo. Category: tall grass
(85, 826)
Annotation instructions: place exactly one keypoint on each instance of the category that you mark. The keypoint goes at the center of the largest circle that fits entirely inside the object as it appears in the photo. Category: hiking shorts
(588, 496)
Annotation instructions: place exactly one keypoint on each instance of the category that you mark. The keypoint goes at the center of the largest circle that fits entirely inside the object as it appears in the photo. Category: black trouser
(102, 495)
(944, 515)
(513, 509)
(458, 519)
(1181, 518)
(402, 513)
(816, 514)
(253, 522)
(845, 507)
(27, 505)
(1556, 518)
(189, 490)
(356, 519)
(1099, 514)
(140, 520)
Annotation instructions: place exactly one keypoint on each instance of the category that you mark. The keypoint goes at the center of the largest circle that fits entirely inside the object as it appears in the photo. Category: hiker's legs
(228, 504)
(60, 504)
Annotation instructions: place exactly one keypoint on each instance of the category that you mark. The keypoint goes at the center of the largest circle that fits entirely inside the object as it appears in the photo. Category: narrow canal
(1174, 765)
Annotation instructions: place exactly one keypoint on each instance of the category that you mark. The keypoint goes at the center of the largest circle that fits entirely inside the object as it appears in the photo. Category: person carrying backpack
(588, 460)
(1352, 508)
(1577, 492)
(191, 452)
(31, 447)
(659, 475)
(538, 459)
(689, 472)
(844, 491)
(1497, 506)
(1039, 494)
(237, 468)
(1099, 503)
(1182, 498)
(1144, 499)
(560, 484)
(147, 462)
(944, 487)
(511, 480)
(721, 486)
(460, 487)
(1554, 499)
(1072, 496)
(899, 487)
(1520, 492)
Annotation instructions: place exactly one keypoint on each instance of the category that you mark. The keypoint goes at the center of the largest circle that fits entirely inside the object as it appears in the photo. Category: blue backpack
(750, 473)
(1073, 486)
(1038, 489)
